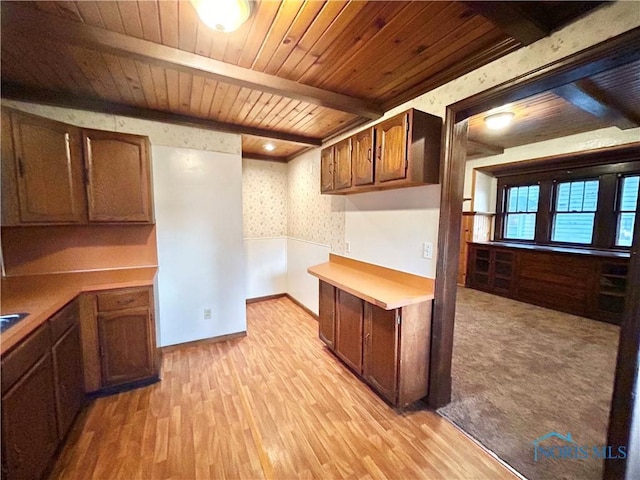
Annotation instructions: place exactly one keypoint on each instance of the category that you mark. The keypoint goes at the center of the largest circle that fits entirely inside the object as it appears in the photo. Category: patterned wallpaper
(264, 198)
(158, 133)
(313, 217)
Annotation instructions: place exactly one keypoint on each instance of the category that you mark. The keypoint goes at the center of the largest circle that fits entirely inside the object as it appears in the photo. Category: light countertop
(384, 287)
(43, 295)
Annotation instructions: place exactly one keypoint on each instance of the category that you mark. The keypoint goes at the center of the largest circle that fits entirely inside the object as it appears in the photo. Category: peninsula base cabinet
(327, 313)
(388, 349)
(42, 393)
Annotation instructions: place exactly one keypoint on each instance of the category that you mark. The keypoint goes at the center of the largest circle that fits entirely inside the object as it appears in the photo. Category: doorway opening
(612, 54)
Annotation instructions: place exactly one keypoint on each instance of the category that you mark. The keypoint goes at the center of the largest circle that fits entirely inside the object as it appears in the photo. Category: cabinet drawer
(62, 320)
(121, 299)
(16, 363)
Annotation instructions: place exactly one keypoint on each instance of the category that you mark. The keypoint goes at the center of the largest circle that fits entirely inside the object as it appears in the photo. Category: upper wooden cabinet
(326, 170)
(45, 165)
(403, 151)
(48, 170)
(342, 164)
(118, 177)
(362, 157)
(391, 149)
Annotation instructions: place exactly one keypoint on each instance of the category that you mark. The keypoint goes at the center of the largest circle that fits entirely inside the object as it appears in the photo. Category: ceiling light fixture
(269, 147)
(223, 15)
(498, 121)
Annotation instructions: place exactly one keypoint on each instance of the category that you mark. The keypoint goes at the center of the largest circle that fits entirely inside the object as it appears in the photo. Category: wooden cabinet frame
(388, 349)
(119, 305)
(402, 151)
(59, 174)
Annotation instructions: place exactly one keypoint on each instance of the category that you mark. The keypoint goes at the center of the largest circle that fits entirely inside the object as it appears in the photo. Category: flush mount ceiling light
(498, 121)
(223, 15)
(269, 147)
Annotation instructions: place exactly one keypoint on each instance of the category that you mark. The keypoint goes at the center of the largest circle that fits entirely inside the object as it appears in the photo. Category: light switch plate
(427, 250)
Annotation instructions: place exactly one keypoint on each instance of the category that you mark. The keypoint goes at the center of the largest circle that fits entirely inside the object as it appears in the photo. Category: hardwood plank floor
(273, 404)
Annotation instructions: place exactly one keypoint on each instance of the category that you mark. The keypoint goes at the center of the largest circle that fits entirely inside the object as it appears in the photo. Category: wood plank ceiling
(297, 71)
(609, 99)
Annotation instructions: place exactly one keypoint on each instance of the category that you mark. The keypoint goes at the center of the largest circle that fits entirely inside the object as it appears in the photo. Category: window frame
(553, 210)
(506, 213)
(606, 216)
(618, 206)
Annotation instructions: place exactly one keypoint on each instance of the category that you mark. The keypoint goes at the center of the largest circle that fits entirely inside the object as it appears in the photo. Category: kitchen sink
(8, 320)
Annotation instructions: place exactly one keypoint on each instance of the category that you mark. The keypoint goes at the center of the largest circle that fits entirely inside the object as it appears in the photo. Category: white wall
(198, 205)
(265, 266)
(389, 228)
(302, 254)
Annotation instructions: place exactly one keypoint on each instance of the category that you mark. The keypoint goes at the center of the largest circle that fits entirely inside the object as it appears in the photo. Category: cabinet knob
(369, 155)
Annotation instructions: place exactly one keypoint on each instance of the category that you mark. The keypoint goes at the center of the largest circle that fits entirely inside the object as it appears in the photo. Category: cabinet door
(126, 345)
(349, 325)
(362, 157)
(118, 177)
(326, 170)
(342, 164)
(326, 313)
(480, 264)
(380, 367)
(69, 379)
(48, 162)
(391, 158)
(29, 433)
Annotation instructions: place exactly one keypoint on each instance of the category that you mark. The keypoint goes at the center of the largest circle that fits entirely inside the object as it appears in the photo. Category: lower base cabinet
(120, 331)
(29, 433)
(327, 313)
(42, 393)
(69, 378)
(349, 327)
(590, 284)
(388, 349)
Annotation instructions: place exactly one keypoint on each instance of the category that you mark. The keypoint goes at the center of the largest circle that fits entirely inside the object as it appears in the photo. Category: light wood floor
(275, 404)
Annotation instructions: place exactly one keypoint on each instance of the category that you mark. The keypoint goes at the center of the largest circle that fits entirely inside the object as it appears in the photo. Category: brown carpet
(522, 371)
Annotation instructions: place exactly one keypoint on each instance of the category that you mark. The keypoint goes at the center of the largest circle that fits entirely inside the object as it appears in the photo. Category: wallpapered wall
(264, 199)
(311, 216)
(320, 218)
(159, 133)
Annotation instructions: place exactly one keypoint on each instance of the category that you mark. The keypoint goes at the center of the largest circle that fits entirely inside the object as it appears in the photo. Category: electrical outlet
(347, 247)
(427, 250)
(207, 314)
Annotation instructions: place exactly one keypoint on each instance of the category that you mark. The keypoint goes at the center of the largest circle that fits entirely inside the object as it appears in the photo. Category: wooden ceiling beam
(479, 149)
(263, 157)
(512, 19)
(16, 92)
(587, 96)
(37, 24)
